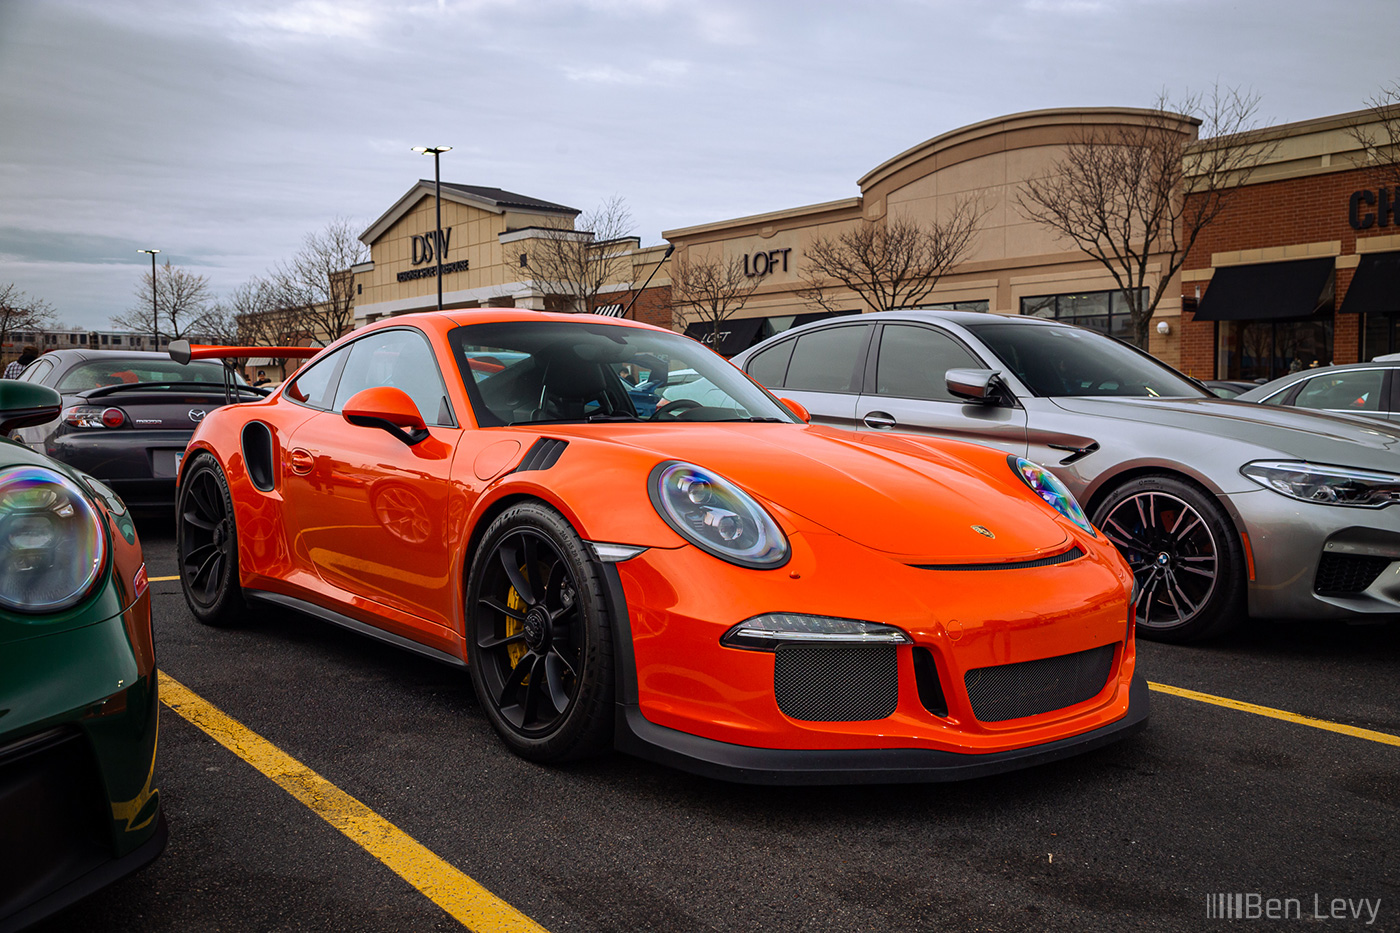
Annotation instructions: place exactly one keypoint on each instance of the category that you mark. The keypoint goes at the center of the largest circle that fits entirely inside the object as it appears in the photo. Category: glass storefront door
(1251, 350)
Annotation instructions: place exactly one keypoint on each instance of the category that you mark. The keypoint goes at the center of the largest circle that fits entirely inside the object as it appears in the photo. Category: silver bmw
(1222, 508)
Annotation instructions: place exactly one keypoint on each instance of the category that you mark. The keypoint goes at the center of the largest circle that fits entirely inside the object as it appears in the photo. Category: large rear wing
(181, 351)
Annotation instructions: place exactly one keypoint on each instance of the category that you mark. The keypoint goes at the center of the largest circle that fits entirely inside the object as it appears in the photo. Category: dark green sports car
(77, 679)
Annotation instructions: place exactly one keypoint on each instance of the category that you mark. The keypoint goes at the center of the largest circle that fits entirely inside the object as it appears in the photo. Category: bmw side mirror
(975, 385)
(25, 404)
(389, 409)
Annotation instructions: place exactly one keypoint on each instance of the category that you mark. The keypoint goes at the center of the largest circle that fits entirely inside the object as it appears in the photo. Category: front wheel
(539, 642)
(1184, 554)
(206, 539)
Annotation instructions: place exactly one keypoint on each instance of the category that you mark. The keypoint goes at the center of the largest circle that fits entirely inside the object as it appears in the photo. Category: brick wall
(1294, 211)
(653, 306)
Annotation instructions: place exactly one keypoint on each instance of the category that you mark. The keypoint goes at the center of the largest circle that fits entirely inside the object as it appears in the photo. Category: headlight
(768, 631)
(716, 516)
(1329, 485)
(1048, 487)
(52, 546)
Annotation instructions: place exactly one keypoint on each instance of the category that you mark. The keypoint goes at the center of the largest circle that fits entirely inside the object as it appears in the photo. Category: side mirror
(25, 404)
(387, 408)
(975, 385)
(798, 409)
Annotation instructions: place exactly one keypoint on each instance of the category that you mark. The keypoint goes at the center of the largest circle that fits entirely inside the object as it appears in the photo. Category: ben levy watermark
(1255, 906)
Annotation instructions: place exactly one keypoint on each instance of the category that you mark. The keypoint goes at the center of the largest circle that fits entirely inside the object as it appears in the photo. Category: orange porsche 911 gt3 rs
(630, 544)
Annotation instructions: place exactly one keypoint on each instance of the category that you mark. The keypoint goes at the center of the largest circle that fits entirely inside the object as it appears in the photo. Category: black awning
(1375, 288)
(1267, 291)
(808, 317)
(730, 337)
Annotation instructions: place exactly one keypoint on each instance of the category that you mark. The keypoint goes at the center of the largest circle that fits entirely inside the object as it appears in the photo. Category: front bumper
(745, 765)
(1290, 539)
(694, 703)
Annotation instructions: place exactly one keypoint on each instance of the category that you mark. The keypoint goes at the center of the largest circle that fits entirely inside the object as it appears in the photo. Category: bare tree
(711, 290)
(1134, 195)
(317, 285)
(182, 304)
(19, 313)
(578, 262)
(1379, 138)
(251, 317)
(891, 264)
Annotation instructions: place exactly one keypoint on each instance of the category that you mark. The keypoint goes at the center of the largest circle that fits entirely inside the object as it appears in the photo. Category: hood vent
(1073, 553)
(542, 455)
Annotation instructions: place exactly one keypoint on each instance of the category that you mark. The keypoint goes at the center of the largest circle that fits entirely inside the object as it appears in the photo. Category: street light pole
(155, 313)
(437, 197)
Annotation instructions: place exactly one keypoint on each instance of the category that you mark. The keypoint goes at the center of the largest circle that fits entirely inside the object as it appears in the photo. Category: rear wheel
(206, 539)
(539, 643)
(1184, 554)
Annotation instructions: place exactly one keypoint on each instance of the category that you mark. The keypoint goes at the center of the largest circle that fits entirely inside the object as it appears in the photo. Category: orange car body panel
(380, 531)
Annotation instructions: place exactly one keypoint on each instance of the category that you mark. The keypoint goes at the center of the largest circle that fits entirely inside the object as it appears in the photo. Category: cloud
(652, 73)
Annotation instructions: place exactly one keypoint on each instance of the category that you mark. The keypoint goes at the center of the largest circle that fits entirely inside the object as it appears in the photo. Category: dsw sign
(423, 245)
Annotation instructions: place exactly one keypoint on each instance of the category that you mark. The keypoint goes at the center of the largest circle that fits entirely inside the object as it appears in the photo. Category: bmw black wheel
(1184, 554)
(206, 539)
(539, 642)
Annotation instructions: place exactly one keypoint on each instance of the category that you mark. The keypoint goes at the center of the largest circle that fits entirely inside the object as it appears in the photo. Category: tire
(539, 639)
(206, 540)
(1184, 553)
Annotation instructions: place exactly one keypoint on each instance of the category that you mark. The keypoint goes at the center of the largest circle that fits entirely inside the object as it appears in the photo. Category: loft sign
(1373, 208)
(423, 245)
(760, 264)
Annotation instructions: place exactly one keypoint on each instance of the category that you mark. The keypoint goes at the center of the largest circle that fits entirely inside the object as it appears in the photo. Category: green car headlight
(52, 545)
(716, 516)
(1049, 488)
(1327, 485)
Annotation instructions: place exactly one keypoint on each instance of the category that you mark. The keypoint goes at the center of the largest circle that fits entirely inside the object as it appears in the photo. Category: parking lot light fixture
(436, 151)
(155, 314)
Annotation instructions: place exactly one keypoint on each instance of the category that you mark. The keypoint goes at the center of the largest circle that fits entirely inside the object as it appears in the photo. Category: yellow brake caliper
(515, 626)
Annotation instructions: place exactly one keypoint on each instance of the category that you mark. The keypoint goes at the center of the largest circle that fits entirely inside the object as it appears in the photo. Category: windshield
(526, 372)
(1069, 361)
(97, 373)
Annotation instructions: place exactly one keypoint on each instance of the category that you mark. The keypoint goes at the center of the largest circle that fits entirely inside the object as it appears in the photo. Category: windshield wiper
(615, 416)
(754, 418)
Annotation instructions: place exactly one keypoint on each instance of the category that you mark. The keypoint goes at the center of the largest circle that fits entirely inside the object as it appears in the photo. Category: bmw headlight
(1328, 485)
(1048, 487)
(716, 516)
(52, 545)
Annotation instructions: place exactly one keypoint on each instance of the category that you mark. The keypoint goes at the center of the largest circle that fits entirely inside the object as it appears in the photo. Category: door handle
(301, 461)
(879, 420)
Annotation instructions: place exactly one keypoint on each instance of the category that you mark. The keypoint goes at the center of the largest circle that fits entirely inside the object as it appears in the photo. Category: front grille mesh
(836, 683)
(1028, 688)
(1348, 574)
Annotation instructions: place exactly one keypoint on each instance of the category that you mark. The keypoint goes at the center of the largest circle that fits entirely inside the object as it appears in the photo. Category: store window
(982, 306)
(1252, 350)
(1105, 312)
(1382, 335)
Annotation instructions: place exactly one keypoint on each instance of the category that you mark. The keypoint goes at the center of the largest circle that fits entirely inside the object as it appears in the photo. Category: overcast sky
(223, 131)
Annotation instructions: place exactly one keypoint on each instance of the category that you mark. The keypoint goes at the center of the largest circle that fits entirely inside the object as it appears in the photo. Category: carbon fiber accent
(1347, 574)
(1010, 691)
(836, 683)
(542, 455)
(1073, 553)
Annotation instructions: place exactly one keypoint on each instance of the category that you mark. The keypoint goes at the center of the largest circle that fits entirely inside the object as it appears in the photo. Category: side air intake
(542, 455)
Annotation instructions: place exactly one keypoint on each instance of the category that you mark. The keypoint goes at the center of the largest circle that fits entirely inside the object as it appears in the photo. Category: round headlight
(1048, 487)
(716, 516)
(52, 546)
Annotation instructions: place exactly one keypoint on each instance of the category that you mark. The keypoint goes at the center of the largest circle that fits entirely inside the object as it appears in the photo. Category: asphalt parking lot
(1142, 835)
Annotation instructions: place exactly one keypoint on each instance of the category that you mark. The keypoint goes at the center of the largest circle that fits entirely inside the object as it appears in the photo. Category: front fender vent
(1073, 553)
(542, 455)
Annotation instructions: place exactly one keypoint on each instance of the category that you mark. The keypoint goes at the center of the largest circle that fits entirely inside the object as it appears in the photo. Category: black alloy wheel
(538, 637)
(206, 538)
(1184, 554)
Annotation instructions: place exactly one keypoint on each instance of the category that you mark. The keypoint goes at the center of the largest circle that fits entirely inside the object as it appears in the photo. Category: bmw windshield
(1057, 362)
(523, 372)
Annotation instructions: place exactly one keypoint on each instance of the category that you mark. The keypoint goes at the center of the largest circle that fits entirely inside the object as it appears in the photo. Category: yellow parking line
(466, 900)
(162, 579)
(1385, 738)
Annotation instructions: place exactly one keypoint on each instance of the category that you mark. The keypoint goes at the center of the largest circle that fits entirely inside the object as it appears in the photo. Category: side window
(1349, 391)
(769, 368)
(826, 360)
(310, 384)
(36, 371)
(913, 360)
(402, 359)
